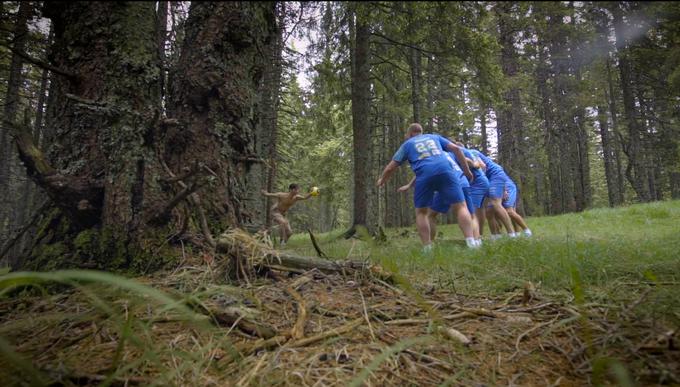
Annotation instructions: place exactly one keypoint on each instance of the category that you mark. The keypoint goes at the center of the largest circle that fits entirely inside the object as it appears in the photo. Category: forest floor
(591, 298)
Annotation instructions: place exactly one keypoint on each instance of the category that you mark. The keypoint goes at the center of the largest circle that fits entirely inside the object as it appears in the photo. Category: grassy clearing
(605, 311)
(612, 254)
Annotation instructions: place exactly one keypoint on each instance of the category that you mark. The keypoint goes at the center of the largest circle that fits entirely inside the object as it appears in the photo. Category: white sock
(512, 235)
(478, 241)
(427, 248)
(528, 232)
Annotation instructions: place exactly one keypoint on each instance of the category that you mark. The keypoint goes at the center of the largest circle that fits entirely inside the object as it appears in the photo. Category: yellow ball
(315, 191)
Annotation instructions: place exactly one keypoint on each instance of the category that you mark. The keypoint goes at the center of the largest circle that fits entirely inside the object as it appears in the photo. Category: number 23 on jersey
(427, 148)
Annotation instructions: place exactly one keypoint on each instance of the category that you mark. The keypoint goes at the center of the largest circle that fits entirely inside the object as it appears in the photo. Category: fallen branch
(320, 253)
(333, 332)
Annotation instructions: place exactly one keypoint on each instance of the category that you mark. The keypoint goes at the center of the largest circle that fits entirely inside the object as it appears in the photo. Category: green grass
(614, 254)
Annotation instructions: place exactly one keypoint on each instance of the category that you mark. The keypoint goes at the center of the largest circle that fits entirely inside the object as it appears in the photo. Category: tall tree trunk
(11, 102)
(608, 155)
(162, 36)
(414, 65)
(121, 170)
(565, 128)
(482, 122)
(430, 93)
(511, 143)
(506, 128)
(635, 172)
(268, 132)
(619, 188)
(361, 130)
(555, 203)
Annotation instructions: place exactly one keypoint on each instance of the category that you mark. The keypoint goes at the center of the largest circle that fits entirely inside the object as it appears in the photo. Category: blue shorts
(467, 193)
(440, 205)
(446, 185)
(497, 185)
(478, 191)
(511, 200)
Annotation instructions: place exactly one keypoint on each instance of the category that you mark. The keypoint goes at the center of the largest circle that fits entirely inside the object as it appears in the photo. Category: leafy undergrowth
(492, 316)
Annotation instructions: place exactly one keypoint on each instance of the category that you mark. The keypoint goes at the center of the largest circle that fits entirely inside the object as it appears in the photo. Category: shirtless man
(285, 201)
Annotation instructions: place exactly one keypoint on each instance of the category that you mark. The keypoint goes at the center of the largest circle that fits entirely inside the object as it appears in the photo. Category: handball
(314, 191)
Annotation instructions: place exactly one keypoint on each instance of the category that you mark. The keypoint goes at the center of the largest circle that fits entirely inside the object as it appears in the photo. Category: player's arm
(392, 166)
(387, 172)
(476, 163)
(408, 186)
(269, 194)
(303, 197)
(461, 159)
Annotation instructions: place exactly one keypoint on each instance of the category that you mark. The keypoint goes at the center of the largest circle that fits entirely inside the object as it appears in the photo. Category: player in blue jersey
(510, 203)
(497, 181)
(478, 190)
(427, 156)
(439, 205)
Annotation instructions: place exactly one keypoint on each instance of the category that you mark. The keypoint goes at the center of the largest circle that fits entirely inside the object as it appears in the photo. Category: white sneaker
(471, 243)
(527, 233)
(427, 249)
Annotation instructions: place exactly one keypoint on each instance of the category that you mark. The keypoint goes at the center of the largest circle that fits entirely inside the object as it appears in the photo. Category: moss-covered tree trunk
(215, 99)
(121, 177)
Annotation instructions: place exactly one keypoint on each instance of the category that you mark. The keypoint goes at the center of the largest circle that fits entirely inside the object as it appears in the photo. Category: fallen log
(262, 256)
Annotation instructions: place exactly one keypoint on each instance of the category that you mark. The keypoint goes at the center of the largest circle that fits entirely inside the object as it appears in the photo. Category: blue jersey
(492, 168)
(457, 170)
(476, 172)
(425, 153)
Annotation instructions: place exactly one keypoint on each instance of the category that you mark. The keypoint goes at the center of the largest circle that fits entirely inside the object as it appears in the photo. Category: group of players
(450, 177)
(447, 177)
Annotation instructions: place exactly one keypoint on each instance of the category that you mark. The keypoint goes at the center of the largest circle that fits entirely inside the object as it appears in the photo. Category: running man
(285, 200)
(434, 173)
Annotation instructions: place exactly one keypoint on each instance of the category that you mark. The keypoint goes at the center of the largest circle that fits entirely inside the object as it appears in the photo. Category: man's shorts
(511, 200)
(467, 193)
(497, 185)
(442, 206)
(446, 185)
(478, 191)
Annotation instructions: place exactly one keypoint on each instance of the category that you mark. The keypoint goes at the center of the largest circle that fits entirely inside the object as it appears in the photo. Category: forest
(139, 139)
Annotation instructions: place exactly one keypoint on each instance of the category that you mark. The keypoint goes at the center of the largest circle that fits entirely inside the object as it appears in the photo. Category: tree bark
(482, 121)
(162, 36)
(361, 129)
(608, 156)
(635, 172)
(555, 203)
(619, 187)
(116, 162)
(264, 174)
(414, 65)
